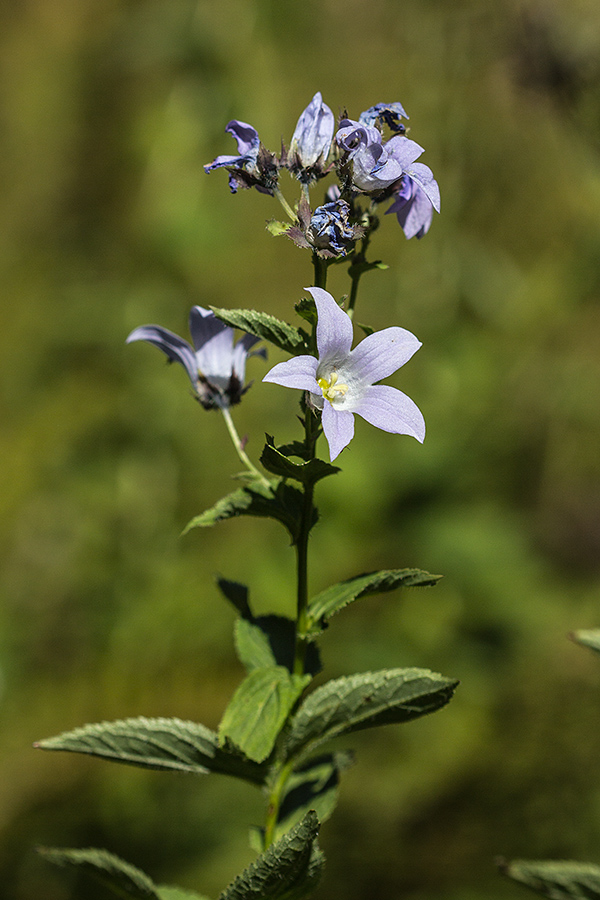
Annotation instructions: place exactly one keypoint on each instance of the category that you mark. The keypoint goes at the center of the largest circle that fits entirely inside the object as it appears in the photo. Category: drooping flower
(341, 381)
(311, 141)
(414, 205)
(253, 166)
(216, 368)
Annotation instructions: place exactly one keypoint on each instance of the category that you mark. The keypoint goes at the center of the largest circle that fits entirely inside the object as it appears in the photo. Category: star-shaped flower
(341, 381)
(216, 368)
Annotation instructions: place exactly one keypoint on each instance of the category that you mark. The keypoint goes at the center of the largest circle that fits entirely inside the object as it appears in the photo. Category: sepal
(121, 877)
(259, 709)
(363, 701)
(168, 744)
(286, 337)
(289, 870)
(557, 879)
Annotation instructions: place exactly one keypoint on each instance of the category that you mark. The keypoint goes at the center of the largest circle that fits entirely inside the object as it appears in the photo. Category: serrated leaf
(158, 744)
(308, 473)
(588, 638)
(283, 502)
(259, 708)
(558, 880)
(314, 785)
(363, 701)
(288, 870)
(121, 877)
(271, 641)
(277, 228)
(339, 595)
(286, 337)
(237, 594)
(307, 310)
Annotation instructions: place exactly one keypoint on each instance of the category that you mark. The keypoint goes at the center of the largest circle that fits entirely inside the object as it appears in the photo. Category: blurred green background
(107, 221)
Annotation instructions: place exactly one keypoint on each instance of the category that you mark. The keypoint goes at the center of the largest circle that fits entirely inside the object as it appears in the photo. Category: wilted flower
(253, 166)
(329, 230)
(341, 381)
(216, 368)
(311, 140)
(390, 113)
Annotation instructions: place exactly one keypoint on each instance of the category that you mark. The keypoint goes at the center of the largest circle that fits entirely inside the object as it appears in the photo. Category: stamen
(331, 389)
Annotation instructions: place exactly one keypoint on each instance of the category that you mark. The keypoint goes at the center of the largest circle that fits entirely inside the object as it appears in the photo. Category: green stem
(237, 443)
(288, 209)
(355, 276)
(275, 798)
(320, 267)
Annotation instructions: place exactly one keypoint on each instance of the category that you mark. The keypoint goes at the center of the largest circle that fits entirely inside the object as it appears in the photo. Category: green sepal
(557, 879)
(282, 502)
(363, 701)
(277, 228)
(289, 870)
(271, 641)
(259, 709)
(307, 473)
(314, 785)
(334, 598)
(121, 877)
(588, 638)
(168, 744)
(286, 337)
(237, 594)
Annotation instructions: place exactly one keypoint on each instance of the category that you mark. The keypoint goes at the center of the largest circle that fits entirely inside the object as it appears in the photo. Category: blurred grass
(107, 221)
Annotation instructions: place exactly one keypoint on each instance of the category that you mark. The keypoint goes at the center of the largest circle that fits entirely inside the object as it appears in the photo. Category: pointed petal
(423, 177)
(338, 426)
(171, 344)
(391, 410)
(334, 327)
(314, 132)
(240, 354)
(246, 137)
(204, 325)
(215, 357)
(382, 353)
(298, 372)
(404, 150)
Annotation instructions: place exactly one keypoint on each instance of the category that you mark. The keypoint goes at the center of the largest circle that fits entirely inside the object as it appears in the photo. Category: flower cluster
(215, 366)
(365, 162)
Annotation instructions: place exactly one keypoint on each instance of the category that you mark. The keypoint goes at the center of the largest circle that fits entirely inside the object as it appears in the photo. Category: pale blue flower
(375, 166)
(215, 367)
(253, 166)
(414, 201)
(390, 113)
(341, 381)
(311, 141)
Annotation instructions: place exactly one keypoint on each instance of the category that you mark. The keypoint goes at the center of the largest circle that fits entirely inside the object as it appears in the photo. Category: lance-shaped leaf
(259, 708)
(288, 870)
(286, 337)
(283, 503)
(271, 641)
(314, 785)
(588, 638)
(121, 877)
(308, 473)
(365, 700)
(158, 744)
(559, 880)
(339, 595)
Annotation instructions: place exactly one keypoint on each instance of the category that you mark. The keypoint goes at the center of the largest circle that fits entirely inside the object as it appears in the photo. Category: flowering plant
(275, 730)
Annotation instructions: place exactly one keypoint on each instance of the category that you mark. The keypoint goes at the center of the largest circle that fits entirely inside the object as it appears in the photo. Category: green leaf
(588, 638)
(339, 595)
(259, 708)
(308, 473)
(158, 744)
(121, 877)
(365, 700)
(559, 880)
(286, 337)
(277, 228)
(314, 785)
(283, 503)
(307, 310)
(271, 641)
(288, 870)
(237, 594)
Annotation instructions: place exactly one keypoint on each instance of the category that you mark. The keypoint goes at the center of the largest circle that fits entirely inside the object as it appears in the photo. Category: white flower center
(332, 390)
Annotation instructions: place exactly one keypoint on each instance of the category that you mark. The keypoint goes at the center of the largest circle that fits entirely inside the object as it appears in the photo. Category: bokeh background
(108, 110)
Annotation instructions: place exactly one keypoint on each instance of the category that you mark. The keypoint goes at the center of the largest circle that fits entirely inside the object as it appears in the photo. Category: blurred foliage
(107, 221)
